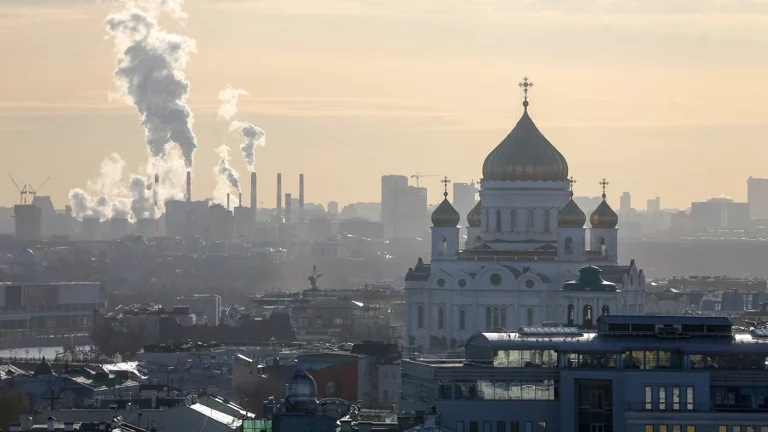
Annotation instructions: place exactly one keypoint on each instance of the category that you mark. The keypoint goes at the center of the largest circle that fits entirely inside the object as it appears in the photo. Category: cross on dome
(571, 182)
(525, 85)
(445, 181)
(604, 183)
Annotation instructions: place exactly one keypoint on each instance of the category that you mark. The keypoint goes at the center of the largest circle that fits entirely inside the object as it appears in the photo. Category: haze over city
(663, 98)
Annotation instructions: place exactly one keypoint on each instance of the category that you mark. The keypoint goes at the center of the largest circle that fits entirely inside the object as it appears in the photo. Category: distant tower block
(301, 198)
(253, 194)
(279, 207)
(287, 208)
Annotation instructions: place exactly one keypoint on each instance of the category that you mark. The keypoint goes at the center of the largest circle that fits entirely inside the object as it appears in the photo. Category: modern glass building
(634, 374)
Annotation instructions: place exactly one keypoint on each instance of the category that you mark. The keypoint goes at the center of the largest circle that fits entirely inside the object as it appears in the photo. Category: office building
(634, 374)
(719, 213)
(625, 205)
(653, 205)
(757, 197)
(333, 208)
(40, 305)
(464, 198)
(389, 184)
(410, 216)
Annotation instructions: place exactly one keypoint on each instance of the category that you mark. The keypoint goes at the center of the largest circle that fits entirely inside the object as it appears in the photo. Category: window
(420, 313)
(528, 426)
(690, 428)
(606, 310)
(750, 429)
(587, 319)
(459, 426)
(568, 247)
(676, 399)
(440, 317)
(487, 426)
(648, 398)
(514, 426)
(662, 428)
(736, 429)
(498, 220)
(571, 311)
(542, 426)
(530, 221)
(504, 317)
(442, 246)
(501, 426)
(662, 398)
(473, 426)
(462, 319)
(495, 318)
(530, 317)
(648, 428)
(513, 218)
(676, 428)
(496, 279)
(488, 318)
(689, 398)
(722, 428)
(386, 397)
(546, 220)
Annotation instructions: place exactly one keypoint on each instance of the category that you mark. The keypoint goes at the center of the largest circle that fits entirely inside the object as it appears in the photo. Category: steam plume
(224, 170)
(150, 75)
(229, 97)
(254, 136)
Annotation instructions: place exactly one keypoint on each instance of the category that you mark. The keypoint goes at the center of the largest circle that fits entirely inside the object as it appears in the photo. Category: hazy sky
(661, 97)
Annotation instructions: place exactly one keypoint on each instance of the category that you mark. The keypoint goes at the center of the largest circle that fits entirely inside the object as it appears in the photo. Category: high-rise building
(389, 183)
(757, 197)
(653, 205)
(625, 205)
(28, 222)
(333, 208)
(719, 213)
(463, 199)
(410, 212)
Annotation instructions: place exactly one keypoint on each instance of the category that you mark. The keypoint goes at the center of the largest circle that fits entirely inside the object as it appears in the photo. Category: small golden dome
(475, 216)
(604, 216)
(445, 215)
(571, 216)
(526, 155)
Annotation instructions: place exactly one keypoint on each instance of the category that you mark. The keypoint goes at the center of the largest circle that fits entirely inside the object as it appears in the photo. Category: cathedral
(528, 260)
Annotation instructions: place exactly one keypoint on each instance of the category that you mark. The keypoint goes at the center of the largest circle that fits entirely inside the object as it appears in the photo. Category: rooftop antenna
(22, 191)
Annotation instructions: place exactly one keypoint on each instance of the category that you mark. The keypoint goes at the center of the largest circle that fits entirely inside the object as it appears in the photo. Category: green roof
(589, 280)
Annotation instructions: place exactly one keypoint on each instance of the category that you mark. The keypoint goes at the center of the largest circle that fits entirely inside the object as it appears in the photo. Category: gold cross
(604, 183)
(445, 183)
(525, 85)
(571, 181)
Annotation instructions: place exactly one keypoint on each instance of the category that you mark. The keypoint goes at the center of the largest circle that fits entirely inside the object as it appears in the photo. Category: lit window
(662, 428)
(677, 428)
(662, 398)
(648, 398)
(690, 428)
(689, 398)
(542, 426)
(648, 428)
(722, 428)
(676, 398)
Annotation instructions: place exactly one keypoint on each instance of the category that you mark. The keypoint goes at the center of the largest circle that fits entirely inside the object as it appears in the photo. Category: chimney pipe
(227, 200)
(287, 208)
(189, 186)
(301, 198)
(253, 194)
(154, 189)
(279, 208)
(240, 199)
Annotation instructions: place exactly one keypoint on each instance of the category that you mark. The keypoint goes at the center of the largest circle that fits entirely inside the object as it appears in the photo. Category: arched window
(546, 220)
(504, 317)
(488, 318)
(529, 317)
(442, 246)
(420, 314)
(605, 310)
(440, 318)
(462, 319)
(568, 246)
(498, 220)
(530, 221)
(513, 218)
(587, 321)
(571, 313)
(495, 318)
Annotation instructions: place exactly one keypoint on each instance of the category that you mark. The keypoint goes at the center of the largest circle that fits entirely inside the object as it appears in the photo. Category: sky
(661, 98)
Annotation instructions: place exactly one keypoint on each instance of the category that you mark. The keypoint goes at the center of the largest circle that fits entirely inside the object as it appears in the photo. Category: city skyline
(345, 111)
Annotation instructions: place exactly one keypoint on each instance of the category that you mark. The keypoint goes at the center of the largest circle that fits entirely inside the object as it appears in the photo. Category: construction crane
(22, 191)
(34, 192)
(418, 177)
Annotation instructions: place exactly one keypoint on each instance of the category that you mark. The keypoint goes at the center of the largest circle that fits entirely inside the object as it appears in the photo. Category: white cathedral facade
(529, 259)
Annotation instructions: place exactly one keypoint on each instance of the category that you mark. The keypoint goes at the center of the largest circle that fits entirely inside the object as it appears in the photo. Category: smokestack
(240, 199)
(227, 200)
(287, 208)
(301, 198)
(253, 194)
(279, 195)
(154, 190)
(189, 186)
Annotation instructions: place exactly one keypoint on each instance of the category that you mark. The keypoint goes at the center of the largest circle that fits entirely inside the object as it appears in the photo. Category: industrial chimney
(287, 208)
(253, 194)
(279, 208)
(189, 186)
(154, 190)
(227, 201)
(301, 198)
(240, 199)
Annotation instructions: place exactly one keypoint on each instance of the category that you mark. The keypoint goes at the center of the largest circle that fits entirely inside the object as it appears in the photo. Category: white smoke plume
(153, 7)
(224, 170)
(229, 97)
(142, 203)
(254, 137)
(150, 75)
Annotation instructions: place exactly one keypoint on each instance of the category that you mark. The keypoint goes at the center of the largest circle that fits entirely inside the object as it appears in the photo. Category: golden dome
(525, 154)
(604, 216)
(475, 216)
(445, 215)
(571, 216)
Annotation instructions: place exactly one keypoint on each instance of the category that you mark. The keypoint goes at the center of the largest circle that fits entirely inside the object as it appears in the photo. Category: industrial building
(39, 305)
